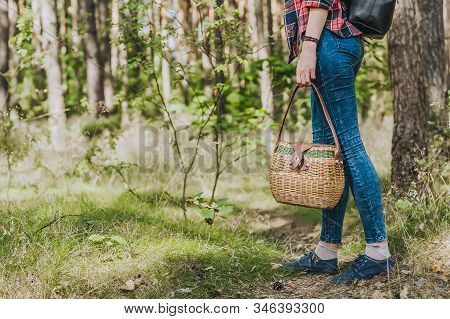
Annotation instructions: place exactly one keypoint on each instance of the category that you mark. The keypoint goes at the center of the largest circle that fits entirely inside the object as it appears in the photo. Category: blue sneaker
(312, 263)
(363, 267)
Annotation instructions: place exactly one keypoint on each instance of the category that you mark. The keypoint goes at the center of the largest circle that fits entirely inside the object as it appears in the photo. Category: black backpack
(372, 17)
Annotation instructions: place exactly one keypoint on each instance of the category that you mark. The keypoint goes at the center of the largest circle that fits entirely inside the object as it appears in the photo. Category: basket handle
(337, 153)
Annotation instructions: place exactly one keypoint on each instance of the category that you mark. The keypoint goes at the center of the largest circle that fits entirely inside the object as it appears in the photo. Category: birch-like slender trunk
(183, 7)
(156, 19)
(13, 15)
(165, 66)
(105, 21)
(115, 17)
(75, 34)
(37, 28)
(206, 13)
(57, 116)
(94, 71)
(269, 17)
(255, 18)
(4, 56)
(62, 22)
(125, 114)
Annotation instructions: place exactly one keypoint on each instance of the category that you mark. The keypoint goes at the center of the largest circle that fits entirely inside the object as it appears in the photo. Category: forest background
(136, 137)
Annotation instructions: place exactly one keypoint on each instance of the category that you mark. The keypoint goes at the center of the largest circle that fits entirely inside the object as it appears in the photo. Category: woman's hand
(306, 66)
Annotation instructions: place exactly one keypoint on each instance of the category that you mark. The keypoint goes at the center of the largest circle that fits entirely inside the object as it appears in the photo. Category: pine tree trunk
(105, 21)
(4, 56)
(416, 60)
(94, 69)
(434, 68)
(57, 116)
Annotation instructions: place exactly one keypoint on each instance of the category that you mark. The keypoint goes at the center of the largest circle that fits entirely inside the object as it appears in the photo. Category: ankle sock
(324, 252)
(377, 251)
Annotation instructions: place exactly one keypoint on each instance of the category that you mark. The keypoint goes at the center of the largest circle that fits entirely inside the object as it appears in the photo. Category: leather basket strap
(337, 153)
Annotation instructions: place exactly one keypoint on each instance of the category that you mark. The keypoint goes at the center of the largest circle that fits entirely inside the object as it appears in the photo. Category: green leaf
(221, 201)
(225, 210)
(220, 68)
(118, 239)
(198, 195)
(403, 204)
(96, 238)
(207, 213)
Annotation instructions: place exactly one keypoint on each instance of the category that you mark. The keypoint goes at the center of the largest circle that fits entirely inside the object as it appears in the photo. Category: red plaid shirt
(296, 14)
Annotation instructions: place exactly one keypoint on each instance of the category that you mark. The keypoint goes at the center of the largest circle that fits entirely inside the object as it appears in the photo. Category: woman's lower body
(338, 62)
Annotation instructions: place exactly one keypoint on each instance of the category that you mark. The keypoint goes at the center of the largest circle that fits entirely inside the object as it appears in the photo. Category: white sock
(324, 252)
(377, 251)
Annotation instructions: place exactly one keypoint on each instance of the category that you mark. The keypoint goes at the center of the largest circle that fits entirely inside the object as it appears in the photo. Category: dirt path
(401, 283)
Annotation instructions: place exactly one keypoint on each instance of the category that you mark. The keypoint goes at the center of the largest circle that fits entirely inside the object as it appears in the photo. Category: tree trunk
(183, 17)
(206, 52)
(270, 27)
(75, 35)
(115, 17)
(94, 69)
(447, 35)
(37, 29)
(13, 15)
(125, 114)
(105, 21)
(57, 116)
(219, 54)
(4, 56)
(165, 66)
(432, 46)
(255, 17)
(61, 6)
(220, 109)
(417, 73)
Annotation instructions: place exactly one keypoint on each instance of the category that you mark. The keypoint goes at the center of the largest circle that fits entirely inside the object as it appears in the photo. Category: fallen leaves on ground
(132, 284)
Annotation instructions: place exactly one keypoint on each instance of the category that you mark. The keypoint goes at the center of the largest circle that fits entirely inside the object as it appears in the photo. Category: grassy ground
(147, 244)
(101, 243)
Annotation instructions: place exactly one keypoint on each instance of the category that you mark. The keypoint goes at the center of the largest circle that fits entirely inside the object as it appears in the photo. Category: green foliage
(28, 85)
(107, 240)
(211, 209)
(373, 76)
(96, 127)
(112, 239)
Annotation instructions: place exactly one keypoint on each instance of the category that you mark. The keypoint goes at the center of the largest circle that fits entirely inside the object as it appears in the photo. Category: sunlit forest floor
(63, 236)
(103, 243)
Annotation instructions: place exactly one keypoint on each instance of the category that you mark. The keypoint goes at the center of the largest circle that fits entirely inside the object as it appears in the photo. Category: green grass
(167, 252)
(47, 248)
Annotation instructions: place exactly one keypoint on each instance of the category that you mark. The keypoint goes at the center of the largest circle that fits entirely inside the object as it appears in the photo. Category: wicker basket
(307, 174)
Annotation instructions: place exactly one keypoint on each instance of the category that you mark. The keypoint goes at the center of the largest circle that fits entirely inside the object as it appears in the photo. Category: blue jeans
(338, 62)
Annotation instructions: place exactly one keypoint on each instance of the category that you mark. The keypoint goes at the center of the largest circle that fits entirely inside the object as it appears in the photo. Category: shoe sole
(358, 279)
